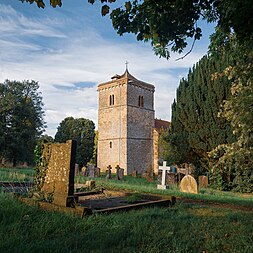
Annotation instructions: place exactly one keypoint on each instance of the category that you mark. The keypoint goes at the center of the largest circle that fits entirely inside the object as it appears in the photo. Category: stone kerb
(59, 179)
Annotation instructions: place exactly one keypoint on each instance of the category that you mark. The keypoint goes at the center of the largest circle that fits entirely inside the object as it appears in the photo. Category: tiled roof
(159, 124)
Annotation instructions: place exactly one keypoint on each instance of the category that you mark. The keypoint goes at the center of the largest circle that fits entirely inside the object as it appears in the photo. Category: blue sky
(70, 50)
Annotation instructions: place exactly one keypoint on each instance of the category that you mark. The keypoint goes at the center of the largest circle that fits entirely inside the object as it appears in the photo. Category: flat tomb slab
(110, 202)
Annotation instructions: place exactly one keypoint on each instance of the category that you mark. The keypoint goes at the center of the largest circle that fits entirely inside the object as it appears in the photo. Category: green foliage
(168, 24)
(81, 130)
(196, 127)
(233, 163)
(21, 120)
(41, 164)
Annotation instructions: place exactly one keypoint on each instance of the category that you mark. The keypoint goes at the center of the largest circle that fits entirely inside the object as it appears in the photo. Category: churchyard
(210, 221)
(65, 209)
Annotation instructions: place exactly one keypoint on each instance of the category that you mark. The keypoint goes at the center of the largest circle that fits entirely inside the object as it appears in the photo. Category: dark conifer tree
(196, 127)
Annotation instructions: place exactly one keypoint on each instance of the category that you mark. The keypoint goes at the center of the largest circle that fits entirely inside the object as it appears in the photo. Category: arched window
(141, 101)
(111, 102)
(110, 144)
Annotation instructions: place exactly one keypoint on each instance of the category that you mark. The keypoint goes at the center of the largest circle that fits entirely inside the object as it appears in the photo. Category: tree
(81, 130)
(196, 127)
(232, 164)
(168, 24)
(21, 120)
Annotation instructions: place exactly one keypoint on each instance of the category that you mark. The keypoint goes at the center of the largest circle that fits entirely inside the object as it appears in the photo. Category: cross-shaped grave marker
(164, 169)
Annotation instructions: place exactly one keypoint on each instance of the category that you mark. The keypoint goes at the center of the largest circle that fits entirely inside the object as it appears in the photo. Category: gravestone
(59, 180)
(109, 172)
(203, 181)
(97, 172)
(164, 170)
(134, 173)
(91, 170)
(90, 184)
(84, 171)
(171, 178)
(76, 169)
(119, 173)
(189, 185)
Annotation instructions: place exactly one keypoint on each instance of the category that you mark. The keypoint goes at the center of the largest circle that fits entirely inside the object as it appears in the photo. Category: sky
(70, 50)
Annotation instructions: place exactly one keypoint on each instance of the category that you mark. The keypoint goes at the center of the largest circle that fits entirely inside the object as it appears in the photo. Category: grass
(17, 174)
(183, 228)
(142, 186)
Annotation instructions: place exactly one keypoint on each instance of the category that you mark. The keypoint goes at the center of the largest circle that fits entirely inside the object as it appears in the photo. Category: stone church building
(126, 125)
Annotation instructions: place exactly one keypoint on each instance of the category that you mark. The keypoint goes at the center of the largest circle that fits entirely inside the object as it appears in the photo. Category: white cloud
(46, 52)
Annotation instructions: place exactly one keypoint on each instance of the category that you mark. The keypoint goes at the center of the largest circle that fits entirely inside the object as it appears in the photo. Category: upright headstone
(189, 185)
(134, 173)
(164, 170)
(203, 181)
(97, 172)
(91, 169)
(172, 178)
(84, 171)
(76, 169)
(109, 172)
(119, 173)
(59, 179)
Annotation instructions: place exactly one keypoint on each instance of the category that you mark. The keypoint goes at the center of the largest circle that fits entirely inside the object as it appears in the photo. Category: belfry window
(111, 102)
(141, 101)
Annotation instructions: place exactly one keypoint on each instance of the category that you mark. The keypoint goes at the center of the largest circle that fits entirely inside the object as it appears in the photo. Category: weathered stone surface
(90, 183)
(189, 185)
(134, 173)
(119, 173)
(91, 170)
(97, 172)
(203, 181)
(171, 179)
(59, 179)
(125, 127)
(76, 169)
(109, 172)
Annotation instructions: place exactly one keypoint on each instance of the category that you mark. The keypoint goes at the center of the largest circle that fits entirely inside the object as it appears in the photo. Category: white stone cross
(164, 169)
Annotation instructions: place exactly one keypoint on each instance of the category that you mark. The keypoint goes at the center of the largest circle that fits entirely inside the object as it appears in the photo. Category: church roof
(130, 80)
(162, 124)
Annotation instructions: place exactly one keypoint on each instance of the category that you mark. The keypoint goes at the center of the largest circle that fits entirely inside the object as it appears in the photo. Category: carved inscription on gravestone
(59, 179)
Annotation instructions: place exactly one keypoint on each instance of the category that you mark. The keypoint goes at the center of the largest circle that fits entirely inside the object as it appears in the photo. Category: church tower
(125, 124)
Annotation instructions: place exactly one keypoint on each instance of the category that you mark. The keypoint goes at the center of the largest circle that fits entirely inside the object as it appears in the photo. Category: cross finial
(127, 65)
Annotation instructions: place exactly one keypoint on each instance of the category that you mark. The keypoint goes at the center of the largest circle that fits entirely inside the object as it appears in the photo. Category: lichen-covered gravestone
(59, 179)
(189, 185)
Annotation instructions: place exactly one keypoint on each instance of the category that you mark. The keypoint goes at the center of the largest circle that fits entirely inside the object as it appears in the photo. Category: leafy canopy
(81, 130)
(21, 119)
(168, 24)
